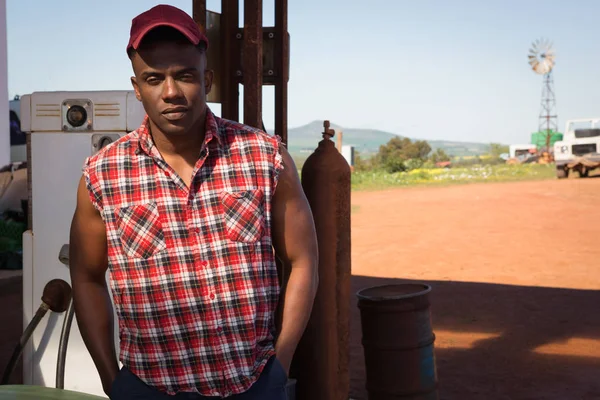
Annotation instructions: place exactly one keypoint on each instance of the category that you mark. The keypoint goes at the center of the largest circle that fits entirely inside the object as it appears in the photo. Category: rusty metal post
(320, 364)
(199, 13)
(281, 79)
(282, 63)
(230, 108)
(253, 63)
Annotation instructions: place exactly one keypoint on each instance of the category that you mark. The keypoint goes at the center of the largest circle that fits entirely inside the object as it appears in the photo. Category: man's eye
(152, 80)
(187, 77)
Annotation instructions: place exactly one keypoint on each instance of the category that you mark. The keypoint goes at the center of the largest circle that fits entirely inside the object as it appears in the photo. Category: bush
(394, 164)
(413, 163)
(361, 164)
(439, 156)
(428, 165)
(440, 176)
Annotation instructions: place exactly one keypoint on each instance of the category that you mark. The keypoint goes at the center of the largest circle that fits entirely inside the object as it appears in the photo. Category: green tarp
(539, 138)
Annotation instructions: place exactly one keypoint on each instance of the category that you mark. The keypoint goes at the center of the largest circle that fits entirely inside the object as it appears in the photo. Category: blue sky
(453, 70)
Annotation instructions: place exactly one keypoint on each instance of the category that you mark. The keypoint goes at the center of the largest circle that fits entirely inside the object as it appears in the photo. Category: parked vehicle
(578, 151)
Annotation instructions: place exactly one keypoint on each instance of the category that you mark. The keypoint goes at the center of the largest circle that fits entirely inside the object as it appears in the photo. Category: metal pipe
(62, 347)
(10, 367)
(231, 74)
(56, 297)
(253, 63)
(282, 65)
(199, 13)
(63, 257)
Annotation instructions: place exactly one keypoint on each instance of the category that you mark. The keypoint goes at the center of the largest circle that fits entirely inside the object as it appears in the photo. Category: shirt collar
(212, 131)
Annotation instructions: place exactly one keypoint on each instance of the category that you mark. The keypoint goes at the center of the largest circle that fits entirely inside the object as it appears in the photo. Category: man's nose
(170, 89)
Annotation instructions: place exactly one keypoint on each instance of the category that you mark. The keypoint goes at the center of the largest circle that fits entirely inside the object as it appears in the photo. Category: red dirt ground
(515, 275)
(515, 271)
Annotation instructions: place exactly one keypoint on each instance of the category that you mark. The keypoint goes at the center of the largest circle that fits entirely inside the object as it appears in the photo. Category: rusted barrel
(398, 342)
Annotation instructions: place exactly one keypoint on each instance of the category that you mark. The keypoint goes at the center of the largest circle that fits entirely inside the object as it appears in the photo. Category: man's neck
(187, 146)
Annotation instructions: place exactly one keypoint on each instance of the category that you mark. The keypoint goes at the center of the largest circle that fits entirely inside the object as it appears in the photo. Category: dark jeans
(269, 386)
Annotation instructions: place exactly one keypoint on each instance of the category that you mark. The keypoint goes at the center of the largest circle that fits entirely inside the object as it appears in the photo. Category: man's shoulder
(113, 152)
(233, 131)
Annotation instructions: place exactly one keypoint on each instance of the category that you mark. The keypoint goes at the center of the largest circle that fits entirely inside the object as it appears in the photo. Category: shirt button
(212, 296)
(204, 263)
(219, 329)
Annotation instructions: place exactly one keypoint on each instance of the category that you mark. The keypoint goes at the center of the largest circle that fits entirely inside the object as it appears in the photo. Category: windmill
(541, 58)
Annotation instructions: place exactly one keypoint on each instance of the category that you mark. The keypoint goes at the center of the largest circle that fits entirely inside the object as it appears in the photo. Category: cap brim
(192, 38)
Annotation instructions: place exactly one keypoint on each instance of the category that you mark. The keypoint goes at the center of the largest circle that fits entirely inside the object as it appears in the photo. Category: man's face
(171, 82)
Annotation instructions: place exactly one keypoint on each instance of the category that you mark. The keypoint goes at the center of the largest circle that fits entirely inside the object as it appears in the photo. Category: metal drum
(398, 340)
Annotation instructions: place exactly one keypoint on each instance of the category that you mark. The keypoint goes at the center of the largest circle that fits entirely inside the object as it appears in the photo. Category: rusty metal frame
(253, 56)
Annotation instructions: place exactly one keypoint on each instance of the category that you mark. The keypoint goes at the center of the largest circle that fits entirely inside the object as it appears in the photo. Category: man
(185, 212)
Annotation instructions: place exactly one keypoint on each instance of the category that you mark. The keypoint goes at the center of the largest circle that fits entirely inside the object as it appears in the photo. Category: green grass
(376, 180)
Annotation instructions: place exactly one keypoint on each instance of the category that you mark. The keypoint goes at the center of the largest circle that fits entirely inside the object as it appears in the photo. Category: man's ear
(136, 88)
(208, 80)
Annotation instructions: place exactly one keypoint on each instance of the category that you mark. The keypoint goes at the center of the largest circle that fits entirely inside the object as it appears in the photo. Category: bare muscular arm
(295, 242)
(88, 264)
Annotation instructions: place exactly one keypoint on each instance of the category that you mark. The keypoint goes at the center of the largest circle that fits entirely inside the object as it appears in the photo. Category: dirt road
(515, 270)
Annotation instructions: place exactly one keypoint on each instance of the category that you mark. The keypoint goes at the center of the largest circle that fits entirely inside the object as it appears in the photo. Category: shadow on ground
(493, 341)
(11, 324)
(503, 341)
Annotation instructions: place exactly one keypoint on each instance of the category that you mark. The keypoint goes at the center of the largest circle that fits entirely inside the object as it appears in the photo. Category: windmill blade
(541, 55)
(546, 68)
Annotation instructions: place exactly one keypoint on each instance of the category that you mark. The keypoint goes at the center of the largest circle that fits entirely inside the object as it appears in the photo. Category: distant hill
(304, 139)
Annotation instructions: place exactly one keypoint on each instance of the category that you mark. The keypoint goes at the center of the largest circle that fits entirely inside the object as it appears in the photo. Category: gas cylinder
(321, 361)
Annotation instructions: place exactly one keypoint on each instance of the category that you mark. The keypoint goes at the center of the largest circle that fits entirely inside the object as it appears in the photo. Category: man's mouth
(175, 113)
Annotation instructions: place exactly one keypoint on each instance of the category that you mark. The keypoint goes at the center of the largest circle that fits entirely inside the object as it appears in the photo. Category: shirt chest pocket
(140, 230)
(243, 214)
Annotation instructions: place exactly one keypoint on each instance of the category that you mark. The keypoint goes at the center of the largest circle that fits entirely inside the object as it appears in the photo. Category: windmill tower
(541, 58)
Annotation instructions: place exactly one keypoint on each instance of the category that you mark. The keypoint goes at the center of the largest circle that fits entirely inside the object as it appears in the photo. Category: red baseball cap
(164, 15)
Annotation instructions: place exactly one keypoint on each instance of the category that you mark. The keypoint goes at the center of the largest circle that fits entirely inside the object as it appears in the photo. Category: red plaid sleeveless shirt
(192, 272)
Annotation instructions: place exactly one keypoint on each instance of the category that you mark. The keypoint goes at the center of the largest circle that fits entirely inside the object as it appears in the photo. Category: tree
(394, 155)
(420, 150)
(439, 156)
(360, 164)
